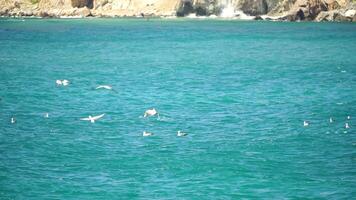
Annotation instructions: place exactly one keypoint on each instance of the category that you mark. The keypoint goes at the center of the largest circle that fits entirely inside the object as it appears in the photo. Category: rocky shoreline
(282, 10)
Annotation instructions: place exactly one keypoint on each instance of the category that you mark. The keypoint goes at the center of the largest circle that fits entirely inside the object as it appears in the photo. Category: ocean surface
(241, 90)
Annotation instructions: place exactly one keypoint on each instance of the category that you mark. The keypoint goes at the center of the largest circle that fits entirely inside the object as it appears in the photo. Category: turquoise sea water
(241, 90)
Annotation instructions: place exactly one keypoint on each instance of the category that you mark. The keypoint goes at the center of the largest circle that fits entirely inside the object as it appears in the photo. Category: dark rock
(82, 3)
(46, 15)
(300, 15)
(201, 11)
(254, 7)
(185, 9)
(257, 17)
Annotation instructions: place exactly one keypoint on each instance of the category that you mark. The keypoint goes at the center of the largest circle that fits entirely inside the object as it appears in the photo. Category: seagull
(179, 134)
(347, 125)
(331, 120)
(46, 115)
(108, 87)
(349, 117)
(13, 120)
(150, 112)
(65, 82)
(306, 123)
(92, 119)
(146, 134)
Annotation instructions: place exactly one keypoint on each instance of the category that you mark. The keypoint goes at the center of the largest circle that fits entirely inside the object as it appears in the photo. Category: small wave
(164, 119)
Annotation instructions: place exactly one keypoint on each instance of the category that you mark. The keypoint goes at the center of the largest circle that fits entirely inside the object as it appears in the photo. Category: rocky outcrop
(291, 10)
(319, 10)
(337, 15)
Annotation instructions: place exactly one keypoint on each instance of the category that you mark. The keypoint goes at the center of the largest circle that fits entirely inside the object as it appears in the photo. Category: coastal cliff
(289, 10)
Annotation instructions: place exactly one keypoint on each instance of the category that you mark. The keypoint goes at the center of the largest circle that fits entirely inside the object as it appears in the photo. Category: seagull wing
(108, 87)
(85, 119)
(98, 117)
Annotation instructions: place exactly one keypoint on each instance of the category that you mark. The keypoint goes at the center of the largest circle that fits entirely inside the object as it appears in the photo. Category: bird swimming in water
(62, 82)
(331, 120)
(150, 112)
(46, 115)
(65, 82)
(347, 125)
(146, 134)
(349, 117)
(13, 120)
(305, 123)
(180, 134)
(92, 119)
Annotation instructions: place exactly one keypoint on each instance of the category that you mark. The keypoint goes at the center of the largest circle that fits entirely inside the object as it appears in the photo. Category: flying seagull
(108, 87)
(92, 119)
(150, 112)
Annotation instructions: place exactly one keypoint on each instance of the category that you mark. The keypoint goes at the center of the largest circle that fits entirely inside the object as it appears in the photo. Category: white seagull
(108, 87)
(331, 120)
(62, 82)
(305, 123)
(150, 112)
(92, 119)
(146, 134)
(65, 82)
(46, 115)
(13, 120)
(180, 134)
(348, 117)
(347, 125)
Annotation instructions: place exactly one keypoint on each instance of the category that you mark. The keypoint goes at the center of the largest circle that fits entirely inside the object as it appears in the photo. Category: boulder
(83, 12)
(340, 17)
(45, 14)
(350, 13)
(257, 17)
(324, 16)
(334, 15)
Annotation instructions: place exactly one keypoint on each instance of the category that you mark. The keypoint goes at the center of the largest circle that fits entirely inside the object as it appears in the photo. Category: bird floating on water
(92, 119)
(108, 87)
(349, 117)
(62, 82)
(331, 120)
(13, 120)
(305, 123)
(146, 134)
(150, 112)
(347, 125)
(46, 115)
(180, 134)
